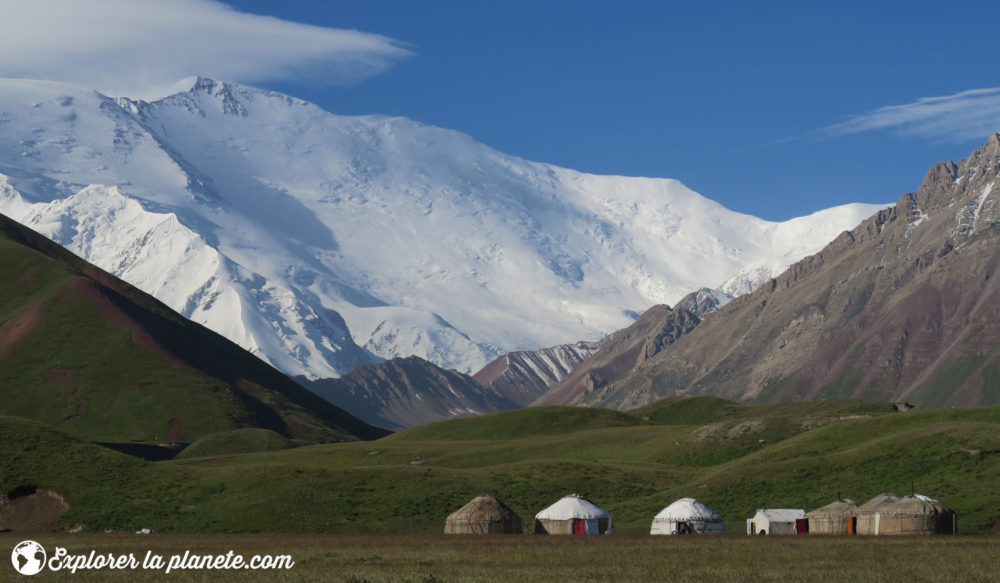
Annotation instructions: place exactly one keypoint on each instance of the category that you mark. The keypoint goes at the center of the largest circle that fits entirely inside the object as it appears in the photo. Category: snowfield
(321, 242)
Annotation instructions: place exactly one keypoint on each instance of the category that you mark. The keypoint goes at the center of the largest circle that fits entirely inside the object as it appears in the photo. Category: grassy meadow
(438, 558)
(735, 458)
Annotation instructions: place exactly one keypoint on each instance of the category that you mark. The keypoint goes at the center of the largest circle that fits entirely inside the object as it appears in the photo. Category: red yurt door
(579, 526)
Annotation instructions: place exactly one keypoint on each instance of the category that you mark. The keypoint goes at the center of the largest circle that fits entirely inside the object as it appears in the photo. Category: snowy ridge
(322, 242)
(552, 364)
(703, 302)
(787, 240)
(523, 376)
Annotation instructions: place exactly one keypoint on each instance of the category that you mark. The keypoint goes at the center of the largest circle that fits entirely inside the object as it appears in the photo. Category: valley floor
(435, 558)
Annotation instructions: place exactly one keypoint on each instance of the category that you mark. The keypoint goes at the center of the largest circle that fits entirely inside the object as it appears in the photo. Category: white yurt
(687, 516)
(777, 521)
(573, 514)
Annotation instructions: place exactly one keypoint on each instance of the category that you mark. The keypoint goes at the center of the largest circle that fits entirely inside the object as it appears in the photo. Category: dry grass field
(433, 558)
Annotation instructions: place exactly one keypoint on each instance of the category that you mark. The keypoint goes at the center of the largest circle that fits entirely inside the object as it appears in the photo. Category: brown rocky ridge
(905, 307)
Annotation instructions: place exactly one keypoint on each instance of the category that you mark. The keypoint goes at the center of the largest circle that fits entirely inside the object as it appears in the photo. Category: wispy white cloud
(972, 114)
(140, 48)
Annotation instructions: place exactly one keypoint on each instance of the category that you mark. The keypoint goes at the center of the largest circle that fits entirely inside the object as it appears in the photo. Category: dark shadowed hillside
(404, 392)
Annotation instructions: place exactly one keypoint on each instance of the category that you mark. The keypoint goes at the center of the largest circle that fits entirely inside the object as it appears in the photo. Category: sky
(776, 109)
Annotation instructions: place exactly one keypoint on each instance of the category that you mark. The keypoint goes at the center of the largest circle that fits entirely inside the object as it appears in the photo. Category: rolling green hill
(89, 354)
(246, 440)
(733, 457)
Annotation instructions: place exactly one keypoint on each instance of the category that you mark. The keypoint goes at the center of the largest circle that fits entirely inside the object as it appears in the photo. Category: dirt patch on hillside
(31, 509)
(175, 431)
(60, 377)
(102, 299)
(29, 277)
(17, 329)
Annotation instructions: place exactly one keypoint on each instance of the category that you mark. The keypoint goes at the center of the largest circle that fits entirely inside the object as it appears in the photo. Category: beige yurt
(910, 515)
(869, 512)
(687, 516)
(839, 517)
(484, 514)
(573, 514)
(775, 521)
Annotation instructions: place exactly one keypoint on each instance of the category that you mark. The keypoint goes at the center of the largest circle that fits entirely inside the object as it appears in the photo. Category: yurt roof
(915, 505)
(782, 514)
(883, 498)
(686, 509)
(483, 507)
(841, 507)
(573, 506)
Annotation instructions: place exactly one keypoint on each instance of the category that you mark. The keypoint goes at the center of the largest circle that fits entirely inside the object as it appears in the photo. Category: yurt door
(579, 526)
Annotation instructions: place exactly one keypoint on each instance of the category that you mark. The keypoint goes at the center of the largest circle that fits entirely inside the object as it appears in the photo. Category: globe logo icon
(28, 557)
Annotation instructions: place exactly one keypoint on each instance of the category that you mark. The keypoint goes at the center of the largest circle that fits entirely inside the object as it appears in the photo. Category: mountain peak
(949, 182)
(198, 92)
(322, 241)
(184, 85)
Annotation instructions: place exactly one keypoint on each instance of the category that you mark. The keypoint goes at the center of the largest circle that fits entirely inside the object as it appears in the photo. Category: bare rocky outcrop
(31, 509)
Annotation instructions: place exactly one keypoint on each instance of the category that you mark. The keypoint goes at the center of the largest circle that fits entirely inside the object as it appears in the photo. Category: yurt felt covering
(484, 514)
(573, 514)
(688, 516)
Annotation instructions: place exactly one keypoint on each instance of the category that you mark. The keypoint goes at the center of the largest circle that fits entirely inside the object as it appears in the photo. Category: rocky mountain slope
(525, 375)
(627, 350)
(404, 392)
(904, 307)
(321, 242)
(98, 359)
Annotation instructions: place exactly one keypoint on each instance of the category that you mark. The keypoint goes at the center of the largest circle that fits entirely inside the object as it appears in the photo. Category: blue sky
(776, 109)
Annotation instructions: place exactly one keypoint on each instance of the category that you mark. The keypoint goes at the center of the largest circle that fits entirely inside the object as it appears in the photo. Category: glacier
(322, 242)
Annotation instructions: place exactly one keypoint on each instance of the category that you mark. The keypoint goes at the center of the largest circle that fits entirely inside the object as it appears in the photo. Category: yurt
(687, 516)
(573, 514)
(777, 521)
(869, 512)
(910, 515)
(839, 517)
(484, 514)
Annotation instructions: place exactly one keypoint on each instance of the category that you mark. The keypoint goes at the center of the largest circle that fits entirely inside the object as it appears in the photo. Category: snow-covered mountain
(321, 242)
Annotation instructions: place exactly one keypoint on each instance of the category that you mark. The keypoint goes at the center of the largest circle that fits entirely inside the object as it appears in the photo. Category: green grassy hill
(735, 458)
(246, 440)
(83, 351)
(520, 423)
